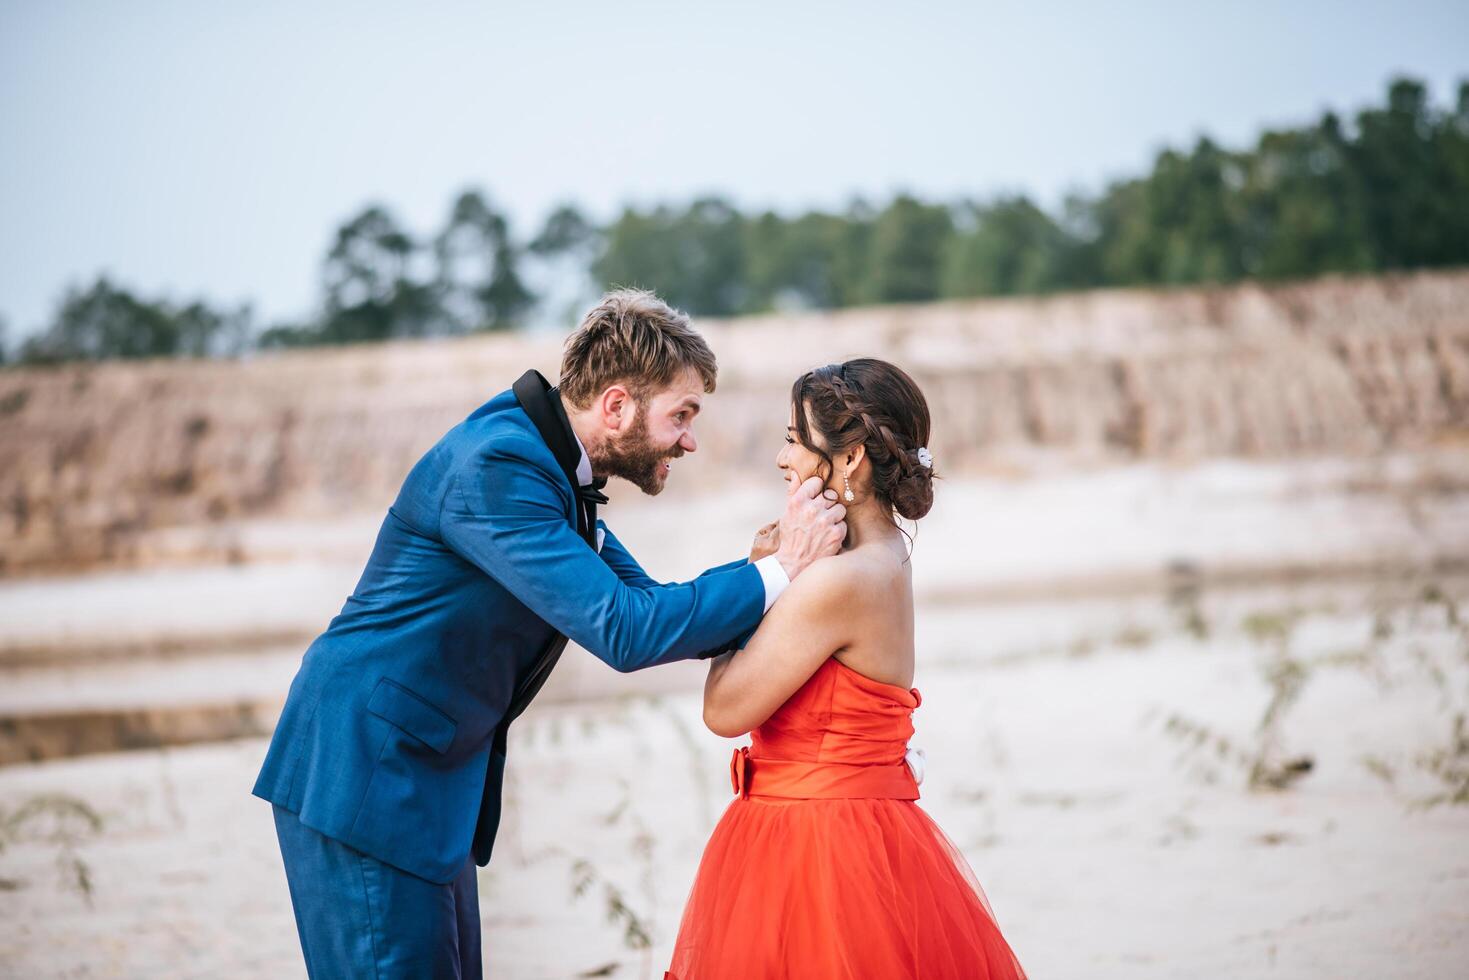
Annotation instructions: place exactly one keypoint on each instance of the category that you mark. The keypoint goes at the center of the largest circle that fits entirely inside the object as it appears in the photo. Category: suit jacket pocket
(401, 707)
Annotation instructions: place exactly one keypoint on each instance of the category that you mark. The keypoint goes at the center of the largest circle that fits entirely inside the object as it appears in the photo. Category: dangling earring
(848, 494)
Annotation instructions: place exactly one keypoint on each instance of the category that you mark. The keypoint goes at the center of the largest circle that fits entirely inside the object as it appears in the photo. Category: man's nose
(688, 442)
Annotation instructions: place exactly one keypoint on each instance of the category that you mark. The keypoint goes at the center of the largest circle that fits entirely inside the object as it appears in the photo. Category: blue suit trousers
(359, 917)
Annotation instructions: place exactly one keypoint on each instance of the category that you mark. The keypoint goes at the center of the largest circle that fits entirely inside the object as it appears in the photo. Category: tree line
(1386, 190)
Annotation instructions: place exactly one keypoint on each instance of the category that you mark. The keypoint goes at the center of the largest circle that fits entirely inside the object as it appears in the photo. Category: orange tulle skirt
(836, 888)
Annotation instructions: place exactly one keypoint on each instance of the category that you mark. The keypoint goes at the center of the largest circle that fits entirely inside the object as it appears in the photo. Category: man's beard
(635, 458)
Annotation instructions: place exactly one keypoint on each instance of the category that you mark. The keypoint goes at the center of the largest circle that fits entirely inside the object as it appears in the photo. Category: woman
(824, 866)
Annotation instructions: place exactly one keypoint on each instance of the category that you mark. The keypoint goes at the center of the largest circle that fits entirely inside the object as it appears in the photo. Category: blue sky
(209, 149)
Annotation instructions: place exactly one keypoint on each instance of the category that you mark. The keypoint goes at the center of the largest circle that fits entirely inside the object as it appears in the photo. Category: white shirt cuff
(774, 577)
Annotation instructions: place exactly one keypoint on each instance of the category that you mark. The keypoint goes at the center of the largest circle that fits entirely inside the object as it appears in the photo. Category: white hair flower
(925, 457)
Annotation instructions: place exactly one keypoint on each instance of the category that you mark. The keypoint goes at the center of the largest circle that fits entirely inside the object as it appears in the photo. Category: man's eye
(681, 416)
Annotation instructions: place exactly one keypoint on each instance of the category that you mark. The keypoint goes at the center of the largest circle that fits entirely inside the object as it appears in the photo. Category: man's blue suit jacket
(385, 740)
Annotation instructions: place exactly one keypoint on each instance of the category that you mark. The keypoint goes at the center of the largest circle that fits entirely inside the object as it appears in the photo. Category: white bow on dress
(916, 759)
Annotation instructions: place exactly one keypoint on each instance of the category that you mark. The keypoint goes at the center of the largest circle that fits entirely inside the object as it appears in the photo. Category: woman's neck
(867, 524)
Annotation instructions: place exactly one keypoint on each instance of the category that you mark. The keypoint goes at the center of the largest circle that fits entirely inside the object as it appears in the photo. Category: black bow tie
(591, 493)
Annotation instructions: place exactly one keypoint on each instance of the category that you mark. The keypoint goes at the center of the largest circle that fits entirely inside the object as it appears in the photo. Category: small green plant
(1380, 768)
(1433, 595)
(60, 821)
(693, 755)
(1450, 765)
(636, 931)
(1134, 637)
(1204, 748)
(1262, 762)
(1271, 627)
(1185, 595)
(1195, 623)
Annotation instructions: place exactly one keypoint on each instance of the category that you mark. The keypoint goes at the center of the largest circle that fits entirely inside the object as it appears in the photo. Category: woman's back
(878, 611)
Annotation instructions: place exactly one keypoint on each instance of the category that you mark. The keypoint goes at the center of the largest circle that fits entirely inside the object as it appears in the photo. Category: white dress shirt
(771, 572)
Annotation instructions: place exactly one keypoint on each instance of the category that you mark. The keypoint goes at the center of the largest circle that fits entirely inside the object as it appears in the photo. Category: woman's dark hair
(874, 404)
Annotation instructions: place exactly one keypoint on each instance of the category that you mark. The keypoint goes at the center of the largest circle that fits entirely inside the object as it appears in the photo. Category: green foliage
(1304, 206)
(58, 821)
(380, 283)
(370, 291)
(103, 322)
(478, 284)
(694, 257)
(566, 230)
(814, 261)
(1008, 247)
(1387, 191)
(906, 254)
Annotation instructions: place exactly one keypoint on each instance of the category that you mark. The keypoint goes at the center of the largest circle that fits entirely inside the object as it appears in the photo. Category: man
(385, 768)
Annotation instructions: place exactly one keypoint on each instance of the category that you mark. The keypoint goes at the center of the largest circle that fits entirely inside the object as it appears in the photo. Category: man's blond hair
(632, 337)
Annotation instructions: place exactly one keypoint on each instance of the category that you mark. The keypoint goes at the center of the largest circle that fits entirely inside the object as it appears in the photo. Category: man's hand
(813, 526)
(767, 542)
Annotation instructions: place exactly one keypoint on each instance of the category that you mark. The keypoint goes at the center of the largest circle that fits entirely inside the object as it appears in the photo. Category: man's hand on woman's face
(813, 526)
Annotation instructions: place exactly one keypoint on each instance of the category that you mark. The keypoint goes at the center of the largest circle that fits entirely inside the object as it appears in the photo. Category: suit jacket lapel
(541, 403)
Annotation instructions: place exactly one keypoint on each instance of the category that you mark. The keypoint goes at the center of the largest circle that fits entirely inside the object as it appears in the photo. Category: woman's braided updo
(875, 404)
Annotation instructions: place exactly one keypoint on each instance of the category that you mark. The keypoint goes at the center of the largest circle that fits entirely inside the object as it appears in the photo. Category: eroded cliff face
(95, 458)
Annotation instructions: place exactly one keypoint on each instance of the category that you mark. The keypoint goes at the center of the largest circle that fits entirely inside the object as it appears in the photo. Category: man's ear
(616, 407)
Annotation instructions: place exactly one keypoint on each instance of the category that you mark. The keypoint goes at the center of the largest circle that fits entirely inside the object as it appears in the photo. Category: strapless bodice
(839, 716)
(841, 736)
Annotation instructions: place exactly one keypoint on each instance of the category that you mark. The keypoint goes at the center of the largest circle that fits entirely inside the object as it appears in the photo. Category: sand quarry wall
(94, 458)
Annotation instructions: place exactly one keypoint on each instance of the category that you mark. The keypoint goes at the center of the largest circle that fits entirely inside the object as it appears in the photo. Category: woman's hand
(767, 542)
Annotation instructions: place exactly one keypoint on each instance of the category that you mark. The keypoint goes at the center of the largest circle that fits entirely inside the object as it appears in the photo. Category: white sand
(1050, 667)
(1091, 530)
(1104, 846)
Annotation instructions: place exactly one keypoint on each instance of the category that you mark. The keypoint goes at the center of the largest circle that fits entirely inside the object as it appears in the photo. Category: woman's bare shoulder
(856, 575)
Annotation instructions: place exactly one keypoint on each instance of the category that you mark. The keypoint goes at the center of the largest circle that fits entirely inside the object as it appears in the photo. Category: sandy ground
(236, 631)
(1062, 760)
(1091, 725)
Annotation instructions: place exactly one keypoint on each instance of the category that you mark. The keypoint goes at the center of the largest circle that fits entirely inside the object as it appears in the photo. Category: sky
(190, 149)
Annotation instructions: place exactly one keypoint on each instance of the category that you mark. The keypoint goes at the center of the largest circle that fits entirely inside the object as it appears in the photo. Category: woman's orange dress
(824, 866)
